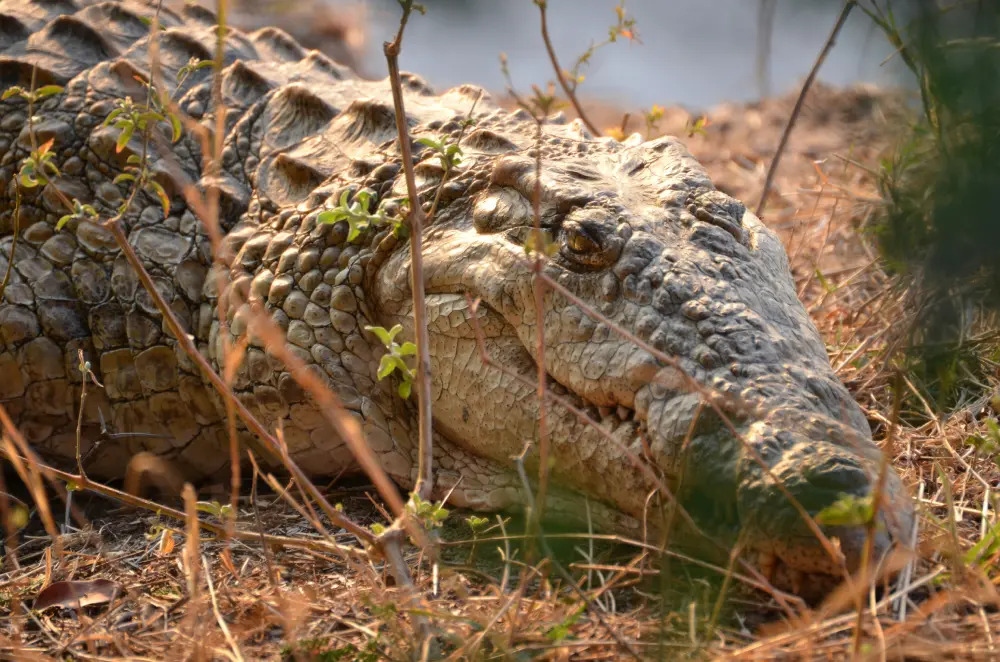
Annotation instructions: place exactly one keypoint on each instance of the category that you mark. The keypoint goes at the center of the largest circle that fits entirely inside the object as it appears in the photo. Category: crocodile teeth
(767, 562)
(796, 577)
(624, 413)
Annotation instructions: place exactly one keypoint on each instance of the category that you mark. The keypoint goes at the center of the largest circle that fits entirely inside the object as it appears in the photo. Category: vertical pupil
(580, 242)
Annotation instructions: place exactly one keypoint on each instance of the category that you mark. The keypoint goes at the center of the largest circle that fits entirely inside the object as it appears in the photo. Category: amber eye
(579, 241)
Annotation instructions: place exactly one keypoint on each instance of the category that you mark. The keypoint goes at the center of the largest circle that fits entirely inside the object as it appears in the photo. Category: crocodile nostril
(726, 224)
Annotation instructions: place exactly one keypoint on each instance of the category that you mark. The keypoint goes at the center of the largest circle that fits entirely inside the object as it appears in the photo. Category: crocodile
(747, 422)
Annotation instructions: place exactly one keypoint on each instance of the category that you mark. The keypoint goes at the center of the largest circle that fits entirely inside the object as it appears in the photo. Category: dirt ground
(173, 591)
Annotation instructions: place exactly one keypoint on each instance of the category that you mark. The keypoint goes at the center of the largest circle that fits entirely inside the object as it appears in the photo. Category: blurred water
(694, 52)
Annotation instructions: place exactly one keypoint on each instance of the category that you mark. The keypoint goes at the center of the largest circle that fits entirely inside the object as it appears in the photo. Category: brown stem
(425, 457)
(827, 47)
(570, 92)
(539, 292)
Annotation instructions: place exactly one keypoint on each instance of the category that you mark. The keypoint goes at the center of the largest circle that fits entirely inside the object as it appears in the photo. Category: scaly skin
(642, 235)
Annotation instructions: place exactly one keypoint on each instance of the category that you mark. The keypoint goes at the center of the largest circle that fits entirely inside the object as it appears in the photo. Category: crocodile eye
(586, 245)
(581, 242)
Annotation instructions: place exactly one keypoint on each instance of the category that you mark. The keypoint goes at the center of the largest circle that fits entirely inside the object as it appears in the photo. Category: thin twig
(827, 47)
(560, 76)
(218, 615)
(425, 461)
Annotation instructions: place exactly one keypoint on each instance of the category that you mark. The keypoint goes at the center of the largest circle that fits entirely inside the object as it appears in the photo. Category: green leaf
(124, 137)
(848, 510)
(63, 221)
(112, 116)
(404, 389)
(47, 91)
(386, 366)
(329, 216)
(429, 142)
(561, 631)
(477, 524)
(175, 125)
(11, 91)
(124, 177)
(152, 115)
(355, 228)
(407, 349)
(162, 195)
(210, 507)
(385, 336)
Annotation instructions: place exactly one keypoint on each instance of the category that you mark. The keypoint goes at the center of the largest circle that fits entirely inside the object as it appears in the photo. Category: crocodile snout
(794, 499)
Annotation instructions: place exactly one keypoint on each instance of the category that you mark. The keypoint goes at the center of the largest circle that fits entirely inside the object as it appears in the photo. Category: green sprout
(221, 511)
(356, 213)
(80, 211)
(29, 95)
(449, 153)
(38, 167)
(848, 510)
(431, 515)
(129, 116)
(393, 360)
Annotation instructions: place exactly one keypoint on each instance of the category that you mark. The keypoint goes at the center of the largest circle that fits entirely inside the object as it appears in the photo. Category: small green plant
(431, 515)
(37, 168)
(848, 510)
(135, 171)
(623, 28)
(214, 508)
(449, 153)
(478, 525)
(562, 631)
(357, 215)
(394, 358)
(547, 246)
(653, 117)
(129, 116)
(193, 65)
(697, 127)
(988, 445)
(31, 96)
(79, 211)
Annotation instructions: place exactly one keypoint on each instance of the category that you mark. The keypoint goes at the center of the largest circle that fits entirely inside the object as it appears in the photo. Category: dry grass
(188, 593)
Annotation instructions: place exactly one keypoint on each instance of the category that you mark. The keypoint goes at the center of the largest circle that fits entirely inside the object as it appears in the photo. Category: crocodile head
(729, 388)
(727, 399)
